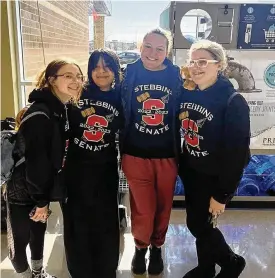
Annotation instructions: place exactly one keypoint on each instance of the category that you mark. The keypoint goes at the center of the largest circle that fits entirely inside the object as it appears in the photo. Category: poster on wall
(255, 80)
(262, 111)
(257, 26)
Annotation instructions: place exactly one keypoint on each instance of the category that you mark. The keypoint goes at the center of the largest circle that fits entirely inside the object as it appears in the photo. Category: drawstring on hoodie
(67, 125)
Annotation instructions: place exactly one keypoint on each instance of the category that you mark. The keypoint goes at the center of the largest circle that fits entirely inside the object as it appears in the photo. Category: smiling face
(154, 51)
(203, 68)
(102, 75)
(67, 81)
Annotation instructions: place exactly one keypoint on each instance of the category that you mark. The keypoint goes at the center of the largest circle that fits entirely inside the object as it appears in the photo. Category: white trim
(13, 34)
(19, 162)
(33, 114)
(20, 53)
(27, 83)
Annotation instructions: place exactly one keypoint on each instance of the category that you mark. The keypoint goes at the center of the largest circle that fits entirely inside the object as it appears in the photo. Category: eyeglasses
(71, 77)
(201, 63)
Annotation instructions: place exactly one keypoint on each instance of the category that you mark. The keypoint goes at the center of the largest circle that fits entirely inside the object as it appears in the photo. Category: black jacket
(44, 140)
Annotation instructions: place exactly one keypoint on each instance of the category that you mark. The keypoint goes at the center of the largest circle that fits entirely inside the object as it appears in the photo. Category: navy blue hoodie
(94, 126)
(151, 102)
(216, 134)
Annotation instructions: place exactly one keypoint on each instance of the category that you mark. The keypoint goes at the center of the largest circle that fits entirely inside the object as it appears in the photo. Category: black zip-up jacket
(44, 140)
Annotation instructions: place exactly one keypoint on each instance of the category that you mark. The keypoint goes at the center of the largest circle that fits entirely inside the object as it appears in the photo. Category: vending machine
(247, 32)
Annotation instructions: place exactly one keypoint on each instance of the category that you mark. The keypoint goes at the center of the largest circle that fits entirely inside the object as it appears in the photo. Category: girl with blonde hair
(215, 124)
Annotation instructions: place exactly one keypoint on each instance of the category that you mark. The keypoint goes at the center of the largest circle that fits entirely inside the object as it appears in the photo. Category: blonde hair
(215, 49)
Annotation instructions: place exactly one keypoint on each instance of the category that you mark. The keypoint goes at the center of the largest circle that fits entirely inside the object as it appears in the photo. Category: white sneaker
(41, 274)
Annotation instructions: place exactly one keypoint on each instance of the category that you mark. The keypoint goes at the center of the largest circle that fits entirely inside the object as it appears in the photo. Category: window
(47, 30)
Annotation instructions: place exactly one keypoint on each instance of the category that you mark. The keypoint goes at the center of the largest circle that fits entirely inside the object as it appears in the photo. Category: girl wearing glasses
(216, 129)
(43, 129)
(91, 223)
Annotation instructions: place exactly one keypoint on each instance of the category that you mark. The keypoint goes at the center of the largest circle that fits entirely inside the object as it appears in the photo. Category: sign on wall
(257, 27)
(262, 107)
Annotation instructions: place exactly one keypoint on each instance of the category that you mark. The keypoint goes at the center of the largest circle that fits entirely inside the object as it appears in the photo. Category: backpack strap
(231, 98)
(20, 161)
(33, 114)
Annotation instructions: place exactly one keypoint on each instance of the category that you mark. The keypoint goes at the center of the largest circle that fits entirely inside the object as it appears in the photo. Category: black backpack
(6, 125)
(8, 143)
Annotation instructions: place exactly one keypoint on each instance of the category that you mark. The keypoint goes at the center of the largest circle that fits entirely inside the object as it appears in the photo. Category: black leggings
(211, 245)
(25, 231)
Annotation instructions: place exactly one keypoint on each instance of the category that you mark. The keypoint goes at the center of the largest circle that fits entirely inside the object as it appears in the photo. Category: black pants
(25, 231)
(91, 222)
(211, 245)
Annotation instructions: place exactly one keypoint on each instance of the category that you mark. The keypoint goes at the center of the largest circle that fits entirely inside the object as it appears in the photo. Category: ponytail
(19, 117)
(41, 80)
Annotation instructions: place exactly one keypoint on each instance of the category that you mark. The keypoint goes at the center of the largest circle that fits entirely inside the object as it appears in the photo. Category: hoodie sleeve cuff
(42, 204)
(223, 198)
(40, 200)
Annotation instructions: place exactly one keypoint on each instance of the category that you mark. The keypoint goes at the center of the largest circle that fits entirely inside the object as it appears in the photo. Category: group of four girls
(148, 108)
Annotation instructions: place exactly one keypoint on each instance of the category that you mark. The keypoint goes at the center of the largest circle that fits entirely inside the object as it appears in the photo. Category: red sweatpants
(151, 184)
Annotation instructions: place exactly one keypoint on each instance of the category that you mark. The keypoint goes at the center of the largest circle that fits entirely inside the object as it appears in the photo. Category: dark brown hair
(51, 71)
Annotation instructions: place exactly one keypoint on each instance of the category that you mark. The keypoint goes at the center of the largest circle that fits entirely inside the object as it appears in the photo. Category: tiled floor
(250, 233)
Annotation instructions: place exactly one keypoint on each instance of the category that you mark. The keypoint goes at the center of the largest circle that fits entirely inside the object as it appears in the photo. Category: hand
(40, 214)
(215, 207)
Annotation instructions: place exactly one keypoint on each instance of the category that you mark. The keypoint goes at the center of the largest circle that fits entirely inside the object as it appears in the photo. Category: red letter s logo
(190, 125)
(153, 104)
(95, 121)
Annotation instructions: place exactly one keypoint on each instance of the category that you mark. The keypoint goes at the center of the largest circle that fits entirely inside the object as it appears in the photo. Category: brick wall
(99, 32)
(53, 29)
